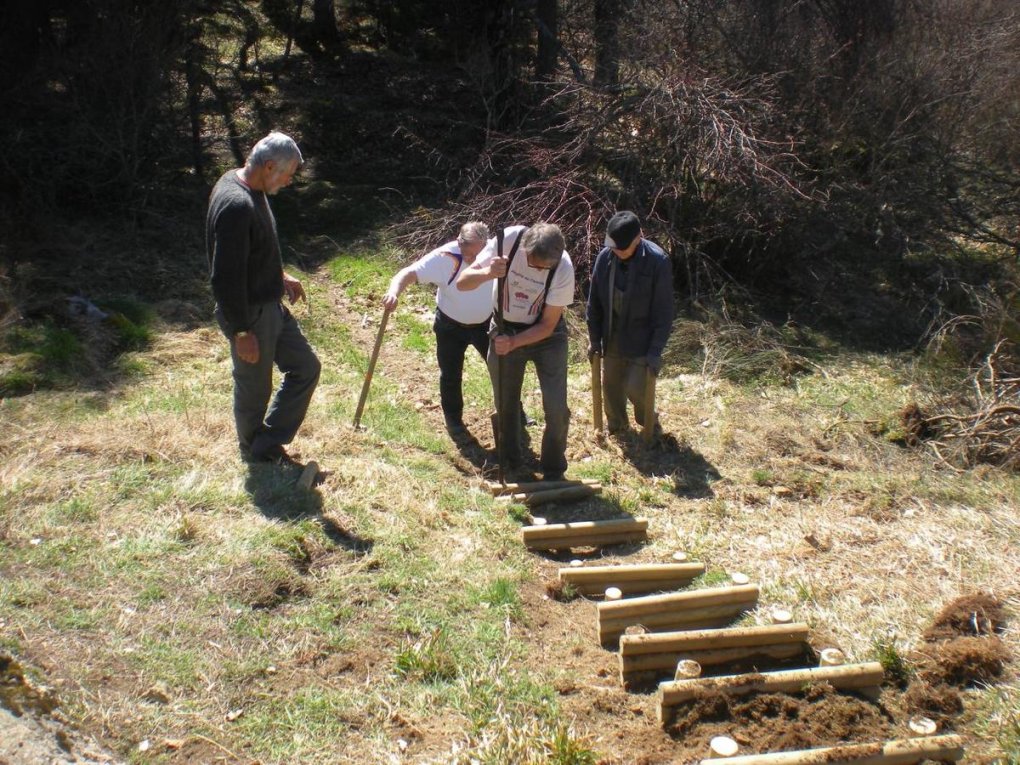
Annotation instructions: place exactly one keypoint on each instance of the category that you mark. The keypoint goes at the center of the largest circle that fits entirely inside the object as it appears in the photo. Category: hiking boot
(556, 475)
(456, 428)
(274, 454)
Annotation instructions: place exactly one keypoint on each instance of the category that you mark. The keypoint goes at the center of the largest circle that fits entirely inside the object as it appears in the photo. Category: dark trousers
(507, 372)
(452, 341)
(623, 380)
(281, 343)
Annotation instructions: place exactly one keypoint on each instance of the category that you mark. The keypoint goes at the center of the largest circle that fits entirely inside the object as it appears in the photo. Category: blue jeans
(507, 373)
(281, 343)
(452, 342)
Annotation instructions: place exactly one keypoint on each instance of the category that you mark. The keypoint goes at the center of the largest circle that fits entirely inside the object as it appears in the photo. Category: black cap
(623, 229)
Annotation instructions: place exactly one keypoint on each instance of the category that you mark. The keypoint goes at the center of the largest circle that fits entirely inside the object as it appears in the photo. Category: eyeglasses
(532, 264)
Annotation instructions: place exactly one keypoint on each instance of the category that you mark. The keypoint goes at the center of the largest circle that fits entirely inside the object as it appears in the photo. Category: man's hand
(497, 268)
(293, 288)
(247, 346)
(593, 351)
(503, 344)
(389, 300)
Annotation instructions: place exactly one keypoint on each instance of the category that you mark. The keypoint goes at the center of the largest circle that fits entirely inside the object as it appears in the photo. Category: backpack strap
(459, 257)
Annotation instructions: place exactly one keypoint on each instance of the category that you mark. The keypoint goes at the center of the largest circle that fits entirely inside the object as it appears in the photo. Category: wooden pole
(657, 653)
(705, 640)
(897, 752)
(609, 630)
(849, 676)
(649, 432)
(679, 601)
(565, 494)
(662, 664)
(371, 368)
(563, 536)
(675, 610)
(596, 391)
(499, 490)
(633, 580)
(583, 528)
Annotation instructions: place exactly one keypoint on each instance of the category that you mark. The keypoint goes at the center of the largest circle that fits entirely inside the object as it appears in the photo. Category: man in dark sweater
(630, 314)
(249, 283)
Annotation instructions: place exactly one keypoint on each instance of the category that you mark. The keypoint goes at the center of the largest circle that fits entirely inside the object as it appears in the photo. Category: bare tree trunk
(548, 40)
(607, 48)
(326, 30)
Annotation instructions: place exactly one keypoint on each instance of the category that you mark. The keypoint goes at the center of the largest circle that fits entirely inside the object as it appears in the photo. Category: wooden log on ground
(897, 752)
(565, 494)
(610, 630)
(636, 579)
(498, 490)
(847, 677)
(679, 601)
(562, 536)
(656, 654)
(660, 665)
(675, 611)
(707, 640)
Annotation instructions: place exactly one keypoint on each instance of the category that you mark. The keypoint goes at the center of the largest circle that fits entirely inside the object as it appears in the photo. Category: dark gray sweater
(244, 252)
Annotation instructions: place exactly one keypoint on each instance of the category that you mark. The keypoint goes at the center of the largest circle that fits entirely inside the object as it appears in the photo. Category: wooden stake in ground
(898, 752)
(649, 432)
(596, 391)
(308, 475)
(371, 369)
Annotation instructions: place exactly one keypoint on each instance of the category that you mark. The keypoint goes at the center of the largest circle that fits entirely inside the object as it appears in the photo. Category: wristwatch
(242, 333)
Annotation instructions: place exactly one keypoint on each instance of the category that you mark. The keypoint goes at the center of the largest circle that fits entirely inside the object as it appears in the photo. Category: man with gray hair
(462, 318)
(249, 283)
(537, 280)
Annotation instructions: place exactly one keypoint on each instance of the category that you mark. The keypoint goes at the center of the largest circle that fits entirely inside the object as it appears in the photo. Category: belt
(479, 325)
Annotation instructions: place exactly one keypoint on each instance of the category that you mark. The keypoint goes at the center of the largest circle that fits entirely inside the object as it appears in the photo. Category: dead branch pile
(759, 352)
(989, 433)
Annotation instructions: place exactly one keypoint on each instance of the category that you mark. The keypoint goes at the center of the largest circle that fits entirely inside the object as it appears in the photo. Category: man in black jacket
(249, 283)
(630, 314)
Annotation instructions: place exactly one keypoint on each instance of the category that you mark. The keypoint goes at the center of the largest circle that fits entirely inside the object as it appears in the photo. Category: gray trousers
(550, 359)
(281, 343)
(623, 379)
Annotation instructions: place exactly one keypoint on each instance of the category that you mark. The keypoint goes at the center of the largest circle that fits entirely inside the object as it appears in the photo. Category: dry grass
(392, 614)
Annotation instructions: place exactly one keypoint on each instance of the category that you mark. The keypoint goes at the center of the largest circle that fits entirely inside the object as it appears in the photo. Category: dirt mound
(965, 661)
(970, 615)
(774, 722)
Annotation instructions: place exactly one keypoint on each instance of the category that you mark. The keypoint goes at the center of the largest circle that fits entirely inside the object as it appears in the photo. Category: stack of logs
(662, 633)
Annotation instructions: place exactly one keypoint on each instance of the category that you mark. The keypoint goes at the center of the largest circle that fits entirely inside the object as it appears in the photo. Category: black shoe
(274, 454)
(555, 476)
(527, 420)
(456, 428)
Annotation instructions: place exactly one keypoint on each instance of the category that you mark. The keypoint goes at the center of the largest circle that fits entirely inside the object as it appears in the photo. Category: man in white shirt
(462, 317)
(539, 284)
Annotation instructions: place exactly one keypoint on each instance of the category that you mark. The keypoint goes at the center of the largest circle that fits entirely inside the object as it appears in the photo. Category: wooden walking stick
(371, 369)
(596, 391)
(500, 424)
(649, 432)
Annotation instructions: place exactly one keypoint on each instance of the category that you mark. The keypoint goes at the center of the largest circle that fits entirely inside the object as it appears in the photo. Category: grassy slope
(175, 596)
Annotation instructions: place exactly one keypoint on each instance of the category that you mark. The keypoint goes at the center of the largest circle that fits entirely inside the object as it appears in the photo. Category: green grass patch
(416, 335)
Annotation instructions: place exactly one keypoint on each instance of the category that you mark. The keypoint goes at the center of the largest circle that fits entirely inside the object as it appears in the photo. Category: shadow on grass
(691, 473)
(274, 491)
